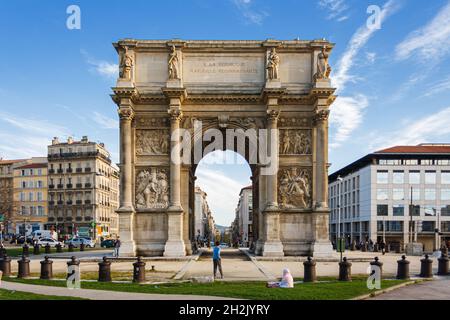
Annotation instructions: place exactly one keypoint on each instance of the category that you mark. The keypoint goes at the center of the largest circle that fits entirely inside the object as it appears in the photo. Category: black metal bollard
(426, 267)
(70, 247)
(139, 271)
(59, 248)
(25, 250)
(46, 269)
(24, 267)
(364, 247)
(47, 249)
(36, 249)
(443, 264)
(345, 270)
(82, 246)
(309, 272)
(73, 262)
(377, 263)
(403, 269)
(386, 249)
(104, 270)
(353, 246)
(5, 265)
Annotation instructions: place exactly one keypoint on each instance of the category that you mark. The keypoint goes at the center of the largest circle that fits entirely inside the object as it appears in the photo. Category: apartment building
(399, 195)
(83, 188)
(30, 197)
(242, 226)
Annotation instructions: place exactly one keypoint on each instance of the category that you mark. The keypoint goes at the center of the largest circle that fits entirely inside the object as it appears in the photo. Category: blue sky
(393, 83)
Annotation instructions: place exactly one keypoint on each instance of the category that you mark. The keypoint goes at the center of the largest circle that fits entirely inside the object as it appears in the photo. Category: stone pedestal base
(272, 249)
(322, 83)
(414, 249)
(322, 249)
(127, 249)
(175, 249)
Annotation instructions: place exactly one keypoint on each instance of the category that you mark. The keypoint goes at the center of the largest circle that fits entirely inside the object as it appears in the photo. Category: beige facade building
(30, 197)
(203, 218)
(282, 87)
(7, 206)
(244, 217)
(83, 188)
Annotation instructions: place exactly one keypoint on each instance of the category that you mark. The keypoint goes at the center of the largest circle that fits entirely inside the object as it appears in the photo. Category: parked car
(109, 243)
(51, 242)
(76, 242)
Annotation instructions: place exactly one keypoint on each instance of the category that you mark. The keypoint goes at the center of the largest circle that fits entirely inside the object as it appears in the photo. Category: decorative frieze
(294, 122)
(152, 142)
(295, 142)
(152, 189)
(153, 122)
(294, 188)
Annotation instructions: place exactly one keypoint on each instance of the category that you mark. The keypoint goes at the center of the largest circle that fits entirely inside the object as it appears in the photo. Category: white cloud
(347, 115)
(222, 191)
(105, 122)
(430, 42)
(250, 14)
(431, 128)
(336, 9)
(438, 87)
(358, 41)
(347, 111)
(103, 68)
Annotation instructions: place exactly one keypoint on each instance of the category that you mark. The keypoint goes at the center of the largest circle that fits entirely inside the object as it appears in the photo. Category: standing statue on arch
(273, 62)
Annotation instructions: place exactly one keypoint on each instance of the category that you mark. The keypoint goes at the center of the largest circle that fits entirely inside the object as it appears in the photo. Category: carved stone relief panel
(152, 188)
(294, 188)
(295, 142)
(152, 142)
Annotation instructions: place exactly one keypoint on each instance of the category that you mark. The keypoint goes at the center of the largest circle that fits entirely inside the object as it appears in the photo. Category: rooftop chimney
(85, 139)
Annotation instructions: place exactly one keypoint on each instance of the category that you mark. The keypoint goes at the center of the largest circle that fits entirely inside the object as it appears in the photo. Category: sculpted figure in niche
(295, 142)
(272, 65)
(294, 189)
(323, 68)
(152, 142)
(126, 64)
(152, 189)
(174, 70)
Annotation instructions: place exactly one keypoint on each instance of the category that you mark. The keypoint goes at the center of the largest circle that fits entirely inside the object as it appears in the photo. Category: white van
(38, 234)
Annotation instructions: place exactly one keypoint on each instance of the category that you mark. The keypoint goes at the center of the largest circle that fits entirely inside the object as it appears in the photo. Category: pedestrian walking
(117, 244)
(217, 260)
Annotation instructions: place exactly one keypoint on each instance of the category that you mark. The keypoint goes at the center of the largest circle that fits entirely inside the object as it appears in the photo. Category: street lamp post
(338, 243)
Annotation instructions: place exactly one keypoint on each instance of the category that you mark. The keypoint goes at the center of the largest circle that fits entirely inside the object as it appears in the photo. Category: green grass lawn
(18, 295)
(255, 290)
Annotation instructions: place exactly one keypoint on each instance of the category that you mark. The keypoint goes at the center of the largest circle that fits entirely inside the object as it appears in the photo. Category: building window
(382, 194)
(428, 226)
(398, 210)
(426, 162)
(445, 194)
(39, 172)
(22, 196)
(415, 210)
(30, 196)
(382, 177)
(414, 177)
(445, 177)
(398, 194)
(429, 211)
(24, 184)
(41, 211)
(415, 194)
(430, 194)
(40, 184)
(445, 211)
(39, 196)
(411, 162)
(382, 210)
(430, 177)
(398, 177)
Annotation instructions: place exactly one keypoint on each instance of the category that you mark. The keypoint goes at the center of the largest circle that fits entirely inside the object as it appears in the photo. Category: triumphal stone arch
(176, 91)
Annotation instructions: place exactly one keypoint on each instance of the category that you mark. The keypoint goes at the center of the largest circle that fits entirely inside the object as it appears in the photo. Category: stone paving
(428, 290)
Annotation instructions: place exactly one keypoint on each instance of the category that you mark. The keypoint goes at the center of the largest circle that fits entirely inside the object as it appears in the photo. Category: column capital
(321, 115)
(273, 115)
(126, 113)
(175, 94)
(175, 114)
(124, 95)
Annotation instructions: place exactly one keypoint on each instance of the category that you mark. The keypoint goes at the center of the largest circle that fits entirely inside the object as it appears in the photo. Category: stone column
(321, 120)
(272, 246)
(126, 209)
(175, 246)
(321, 245)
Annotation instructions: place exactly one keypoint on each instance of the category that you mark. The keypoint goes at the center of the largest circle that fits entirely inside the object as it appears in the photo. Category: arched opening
(223, 200)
